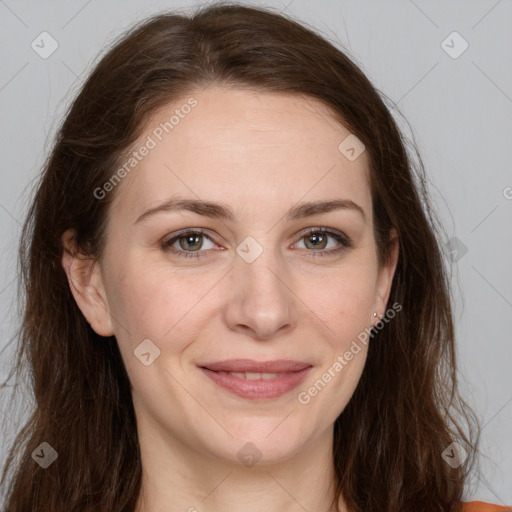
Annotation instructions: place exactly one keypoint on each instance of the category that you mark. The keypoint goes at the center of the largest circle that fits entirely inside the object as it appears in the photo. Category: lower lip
(257, 389)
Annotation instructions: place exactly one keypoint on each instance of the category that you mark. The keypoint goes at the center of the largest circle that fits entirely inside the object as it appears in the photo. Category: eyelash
(341, 238)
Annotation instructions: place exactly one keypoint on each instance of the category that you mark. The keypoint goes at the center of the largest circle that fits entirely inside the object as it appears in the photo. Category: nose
(261, 302)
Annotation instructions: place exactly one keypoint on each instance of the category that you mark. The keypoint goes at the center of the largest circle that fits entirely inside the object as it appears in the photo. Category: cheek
(149, 301)
(345, 305)
(347, 314)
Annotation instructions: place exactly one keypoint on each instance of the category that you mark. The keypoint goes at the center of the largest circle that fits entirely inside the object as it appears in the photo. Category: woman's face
(258, 283)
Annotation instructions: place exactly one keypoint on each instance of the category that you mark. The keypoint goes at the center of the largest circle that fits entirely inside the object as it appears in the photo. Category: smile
(252, 384)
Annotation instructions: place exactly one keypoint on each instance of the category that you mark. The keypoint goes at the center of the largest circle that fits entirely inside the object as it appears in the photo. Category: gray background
(460, 110)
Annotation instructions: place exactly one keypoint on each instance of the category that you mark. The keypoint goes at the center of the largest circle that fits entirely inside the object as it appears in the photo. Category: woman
(236, 299)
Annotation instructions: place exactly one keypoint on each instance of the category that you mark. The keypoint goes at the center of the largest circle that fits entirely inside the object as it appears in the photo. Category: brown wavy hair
(406, 408)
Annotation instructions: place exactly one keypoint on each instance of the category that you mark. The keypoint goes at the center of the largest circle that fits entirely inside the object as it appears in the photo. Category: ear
(385, 275)
(86, 284)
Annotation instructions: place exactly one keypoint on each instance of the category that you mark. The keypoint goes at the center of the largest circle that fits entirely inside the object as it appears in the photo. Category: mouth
(256, 380)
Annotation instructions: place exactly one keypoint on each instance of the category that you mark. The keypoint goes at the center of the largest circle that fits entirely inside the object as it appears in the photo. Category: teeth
(269, 376)
(255, 376)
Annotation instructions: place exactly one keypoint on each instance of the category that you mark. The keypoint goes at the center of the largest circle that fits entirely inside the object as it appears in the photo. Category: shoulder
(480, 506)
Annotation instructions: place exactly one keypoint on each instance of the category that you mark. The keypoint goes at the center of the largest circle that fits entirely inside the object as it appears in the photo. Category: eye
(317, 239)
(190, 242)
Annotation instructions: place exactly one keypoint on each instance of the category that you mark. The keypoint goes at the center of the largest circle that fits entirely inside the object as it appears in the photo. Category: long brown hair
(406, 409)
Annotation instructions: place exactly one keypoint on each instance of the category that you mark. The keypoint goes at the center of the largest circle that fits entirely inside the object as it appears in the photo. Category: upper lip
(251, 366)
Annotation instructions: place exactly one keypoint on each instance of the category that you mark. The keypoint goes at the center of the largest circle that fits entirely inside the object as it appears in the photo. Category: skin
(261, 154)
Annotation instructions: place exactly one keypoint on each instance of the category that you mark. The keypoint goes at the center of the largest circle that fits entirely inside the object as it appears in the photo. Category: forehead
(258, 151)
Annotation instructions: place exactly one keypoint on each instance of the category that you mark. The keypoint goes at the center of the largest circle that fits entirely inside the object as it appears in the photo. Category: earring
(376, 316)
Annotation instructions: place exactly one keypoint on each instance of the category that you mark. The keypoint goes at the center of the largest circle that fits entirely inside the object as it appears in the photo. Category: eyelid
(168, 240)
(326, 230)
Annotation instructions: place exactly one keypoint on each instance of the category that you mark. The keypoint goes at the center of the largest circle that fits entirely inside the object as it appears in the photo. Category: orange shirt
(480, 506)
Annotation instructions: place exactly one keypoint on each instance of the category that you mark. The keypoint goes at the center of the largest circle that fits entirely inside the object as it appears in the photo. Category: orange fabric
(480, 506)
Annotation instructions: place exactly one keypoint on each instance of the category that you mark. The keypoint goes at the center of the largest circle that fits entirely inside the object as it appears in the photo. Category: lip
(249, 365)
(293, 373)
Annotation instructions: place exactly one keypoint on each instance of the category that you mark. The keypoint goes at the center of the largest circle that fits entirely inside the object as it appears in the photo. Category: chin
(263, 441)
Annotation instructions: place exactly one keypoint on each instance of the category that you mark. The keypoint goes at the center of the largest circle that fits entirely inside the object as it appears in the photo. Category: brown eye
(190, 244)
(316, 242)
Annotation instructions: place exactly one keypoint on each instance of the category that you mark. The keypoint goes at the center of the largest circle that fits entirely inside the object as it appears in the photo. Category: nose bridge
(261, 300)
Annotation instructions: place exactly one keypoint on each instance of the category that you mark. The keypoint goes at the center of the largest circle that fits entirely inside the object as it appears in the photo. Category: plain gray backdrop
(457, 99)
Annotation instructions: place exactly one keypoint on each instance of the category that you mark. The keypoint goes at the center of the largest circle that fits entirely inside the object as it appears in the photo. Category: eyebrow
(224, 212)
